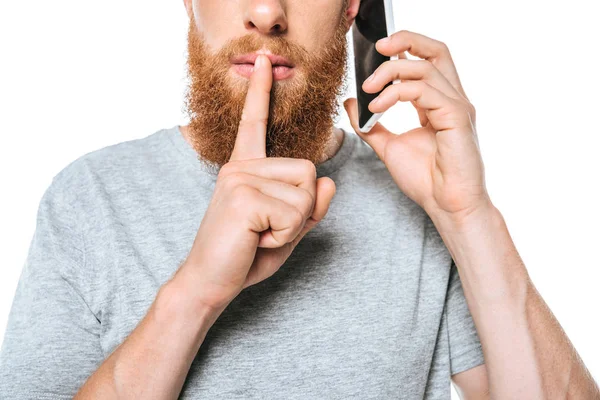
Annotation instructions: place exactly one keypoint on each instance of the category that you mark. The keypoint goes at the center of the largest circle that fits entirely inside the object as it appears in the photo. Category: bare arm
(260, 209)
(439, 166)
(472, 384)
(527, 353)
(154, 360)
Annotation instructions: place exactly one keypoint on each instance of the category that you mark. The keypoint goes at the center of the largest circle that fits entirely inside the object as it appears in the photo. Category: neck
(336, 139)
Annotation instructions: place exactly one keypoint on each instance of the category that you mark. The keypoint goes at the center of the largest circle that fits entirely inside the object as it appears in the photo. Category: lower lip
(279, 71)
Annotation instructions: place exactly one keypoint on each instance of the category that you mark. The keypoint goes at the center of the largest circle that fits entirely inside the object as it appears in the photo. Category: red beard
(302, 108)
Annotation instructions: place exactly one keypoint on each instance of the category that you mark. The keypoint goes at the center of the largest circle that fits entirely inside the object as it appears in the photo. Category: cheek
(316, 29)
(217, 22)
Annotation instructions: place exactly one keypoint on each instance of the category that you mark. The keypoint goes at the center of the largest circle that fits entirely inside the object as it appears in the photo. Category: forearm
(153, 362)
(527, 353)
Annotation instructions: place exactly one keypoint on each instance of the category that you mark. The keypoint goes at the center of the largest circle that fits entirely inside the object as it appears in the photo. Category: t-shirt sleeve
(465, 347)
(51, 344)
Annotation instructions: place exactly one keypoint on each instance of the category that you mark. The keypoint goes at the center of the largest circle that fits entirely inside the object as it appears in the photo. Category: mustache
(277, 45)
(301, 111)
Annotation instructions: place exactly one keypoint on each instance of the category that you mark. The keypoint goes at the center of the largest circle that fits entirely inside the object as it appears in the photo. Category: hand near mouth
(282, 67)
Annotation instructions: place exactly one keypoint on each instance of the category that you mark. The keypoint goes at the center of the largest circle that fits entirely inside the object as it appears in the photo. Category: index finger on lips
(424, 47)
(252, 131)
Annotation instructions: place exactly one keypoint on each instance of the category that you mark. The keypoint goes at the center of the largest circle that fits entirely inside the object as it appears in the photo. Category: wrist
(486, 257)
(198, 286)
(178, 305)
(465, 221)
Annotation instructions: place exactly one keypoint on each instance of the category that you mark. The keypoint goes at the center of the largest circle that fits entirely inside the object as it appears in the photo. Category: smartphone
(374, 21)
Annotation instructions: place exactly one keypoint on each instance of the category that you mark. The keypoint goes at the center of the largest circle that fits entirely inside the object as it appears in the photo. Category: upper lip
(251, 58)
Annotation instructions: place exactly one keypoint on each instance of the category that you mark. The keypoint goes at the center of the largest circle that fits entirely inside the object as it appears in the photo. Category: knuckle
(227, 169)
(309, 169)
(296, 219)
(394, 91)
(249, 120)
(307, 204)
(242, 194)
(458, 114)
(443, 47)
(242, 197)
(233, 180)
(428, 66)
(471, 109)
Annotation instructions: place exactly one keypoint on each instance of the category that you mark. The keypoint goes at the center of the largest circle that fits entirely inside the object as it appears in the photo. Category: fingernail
(370, 78)
(384, 40)
(259, 62)
(374, 101)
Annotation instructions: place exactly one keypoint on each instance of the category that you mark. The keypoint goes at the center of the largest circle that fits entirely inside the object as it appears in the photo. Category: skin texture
(261, 208)
(438, 165)
(274, 203)
(301, 107)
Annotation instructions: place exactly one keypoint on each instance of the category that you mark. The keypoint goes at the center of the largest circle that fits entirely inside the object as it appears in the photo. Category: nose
(265, 16)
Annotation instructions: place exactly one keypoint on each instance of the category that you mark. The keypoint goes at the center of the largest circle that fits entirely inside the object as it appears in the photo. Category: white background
(77, 76)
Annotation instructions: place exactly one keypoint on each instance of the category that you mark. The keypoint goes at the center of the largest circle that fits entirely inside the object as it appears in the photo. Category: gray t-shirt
(369, 304)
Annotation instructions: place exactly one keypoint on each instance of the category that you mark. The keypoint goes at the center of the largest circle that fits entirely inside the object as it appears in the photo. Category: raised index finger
(252, 131)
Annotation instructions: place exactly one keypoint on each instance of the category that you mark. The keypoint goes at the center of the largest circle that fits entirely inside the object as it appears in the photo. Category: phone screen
(369, 26)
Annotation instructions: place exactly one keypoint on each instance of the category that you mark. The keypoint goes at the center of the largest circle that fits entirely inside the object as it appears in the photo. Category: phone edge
(389, 27)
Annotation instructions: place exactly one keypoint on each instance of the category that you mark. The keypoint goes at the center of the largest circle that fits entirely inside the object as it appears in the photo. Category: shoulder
(115, 158)
(76, 192)
(109, 165)
(80, 194)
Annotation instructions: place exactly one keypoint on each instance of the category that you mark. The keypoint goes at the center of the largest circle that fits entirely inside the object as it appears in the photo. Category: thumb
(377, 137)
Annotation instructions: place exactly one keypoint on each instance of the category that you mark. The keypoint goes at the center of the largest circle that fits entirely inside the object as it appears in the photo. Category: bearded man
(262, 252)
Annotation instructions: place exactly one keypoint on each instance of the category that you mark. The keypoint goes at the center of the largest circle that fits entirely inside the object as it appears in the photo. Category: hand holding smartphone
(374, 21)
